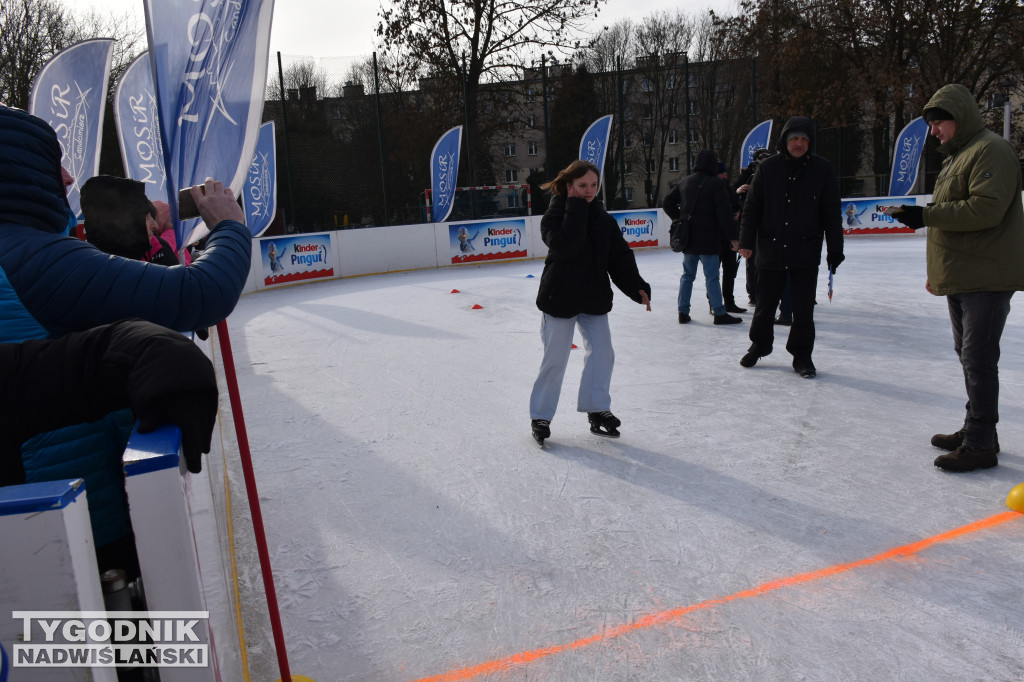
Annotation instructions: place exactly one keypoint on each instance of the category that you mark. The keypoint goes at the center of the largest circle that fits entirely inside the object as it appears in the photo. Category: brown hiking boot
(951, 441)
(967, 458)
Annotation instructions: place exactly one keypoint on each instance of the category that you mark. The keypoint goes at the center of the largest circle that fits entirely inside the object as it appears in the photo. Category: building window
(673, 163)
(648, 111)
(531, 149)
(628, 191)
(648, 139)
(673, 137)
(510, 149)
(646, 85)
(652, 166)
(693, 136)
(670, 83)
(512, 176)
(529, 121)
(628, 141)
(512, 201)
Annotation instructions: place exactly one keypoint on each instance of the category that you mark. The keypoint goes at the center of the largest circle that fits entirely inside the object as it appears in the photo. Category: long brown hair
(576, 169)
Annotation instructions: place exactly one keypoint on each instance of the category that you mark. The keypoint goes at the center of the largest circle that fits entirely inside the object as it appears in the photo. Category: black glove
(834, 261)
(193, 412)
(911, 216)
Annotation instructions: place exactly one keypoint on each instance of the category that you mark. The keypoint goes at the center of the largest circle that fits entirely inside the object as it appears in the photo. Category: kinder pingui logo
(634, 228)
(308, 255)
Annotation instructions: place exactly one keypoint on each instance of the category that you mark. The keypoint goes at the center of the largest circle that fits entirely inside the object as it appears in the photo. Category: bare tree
(662, 41)
(125, 30)
(873, 63)
(33, 31)
(301, 76)
(476, 40)
(719, 94)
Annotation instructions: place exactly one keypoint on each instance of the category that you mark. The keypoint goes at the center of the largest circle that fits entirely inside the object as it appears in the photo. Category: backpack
(679, 230)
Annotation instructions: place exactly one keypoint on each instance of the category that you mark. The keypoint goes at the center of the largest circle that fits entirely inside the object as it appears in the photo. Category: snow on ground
(416, 529)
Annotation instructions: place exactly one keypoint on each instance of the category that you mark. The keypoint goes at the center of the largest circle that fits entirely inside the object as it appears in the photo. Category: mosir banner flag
(70, 93)
(259, 194)
(906, 158)
(138, 129)
(444, 170)
(594, 143)
(209, 63)
(757, 138)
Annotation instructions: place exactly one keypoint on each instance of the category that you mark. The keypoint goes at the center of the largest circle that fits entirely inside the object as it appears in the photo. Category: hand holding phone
(216, 202)
(186, 204)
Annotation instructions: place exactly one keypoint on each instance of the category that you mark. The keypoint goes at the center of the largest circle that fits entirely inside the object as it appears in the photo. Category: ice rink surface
(748, 525)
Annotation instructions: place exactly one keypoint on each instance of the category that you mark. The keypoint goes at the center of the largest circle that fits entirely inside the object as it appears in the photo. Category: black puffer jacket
(585, 248)
(792, 206)
(708, 194)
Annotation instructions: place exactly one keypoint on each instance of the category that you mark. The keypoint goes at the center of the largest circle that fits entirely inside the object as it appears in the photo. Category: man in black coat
(793, 205)
(704, 197)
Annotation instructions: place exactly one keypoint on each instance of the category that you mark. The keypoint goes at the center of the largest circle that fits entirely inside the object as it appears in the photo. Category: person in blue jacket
(52, 284)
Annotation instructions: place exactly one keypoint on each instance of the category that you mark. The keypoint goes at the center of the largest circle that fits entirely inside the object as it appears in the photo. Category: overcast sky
(328, 28)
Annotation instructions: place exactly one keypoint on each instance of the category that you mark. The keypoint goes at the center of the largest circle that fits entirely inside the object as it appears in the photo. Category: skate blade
(612, 433)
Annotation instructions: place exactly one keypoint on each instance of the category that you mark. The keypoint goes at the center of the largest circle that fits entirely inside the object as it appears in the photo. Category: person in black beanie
(792, 207)
(703, 198)
(727, 251)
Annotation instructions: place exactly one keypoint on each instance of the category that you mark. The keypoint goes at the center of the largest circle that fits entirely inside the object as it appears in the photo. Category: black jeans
(770, 285)
(730, 266)
(751, 277)
(978, 321)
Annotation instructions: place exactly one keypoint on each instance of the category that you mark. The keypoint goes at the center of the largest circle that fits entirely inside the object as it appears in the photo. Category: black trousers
(770, 285)
(978, 321)
(751, 276)
(730, 266)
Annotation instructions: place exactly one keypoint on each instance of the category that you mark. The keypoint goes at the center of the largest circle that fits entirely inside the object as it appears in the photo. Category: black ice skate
(541, 430)
(604, 424)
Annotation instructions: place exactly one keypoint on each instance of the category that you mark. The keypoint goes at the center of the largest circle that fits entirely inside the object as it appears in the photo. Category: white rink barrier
(182, 534)
(295, 258)
(49, 564)
(158, 497)
(49, 560)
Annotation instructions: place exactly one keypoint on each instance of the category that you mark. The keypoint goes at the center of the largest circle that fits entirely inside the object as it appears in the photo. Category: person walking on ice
(586, 253)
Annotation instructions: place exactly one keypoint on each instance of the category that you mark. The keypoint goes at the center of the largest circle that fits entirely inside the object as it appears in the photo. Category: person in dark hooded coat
(793, 205)
(704, 197)
(975, 247)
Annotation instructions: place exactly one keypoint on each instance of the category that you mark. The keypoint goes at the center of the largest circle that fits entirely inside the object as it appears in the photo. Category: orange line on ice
(525, 657)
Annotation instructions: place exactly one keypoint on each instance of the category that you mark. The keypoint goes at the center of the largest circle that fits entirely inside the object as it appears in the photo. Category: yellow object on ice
(1015, 500)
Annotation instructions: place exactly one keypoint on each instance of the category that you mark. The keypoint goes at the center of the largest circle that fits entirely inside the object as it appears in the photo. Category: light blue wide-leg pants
(557, 334)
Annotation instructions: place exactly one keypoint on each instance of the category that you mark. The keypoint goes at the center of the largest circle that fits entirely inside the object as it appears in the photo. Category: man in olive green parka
(975, 258)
